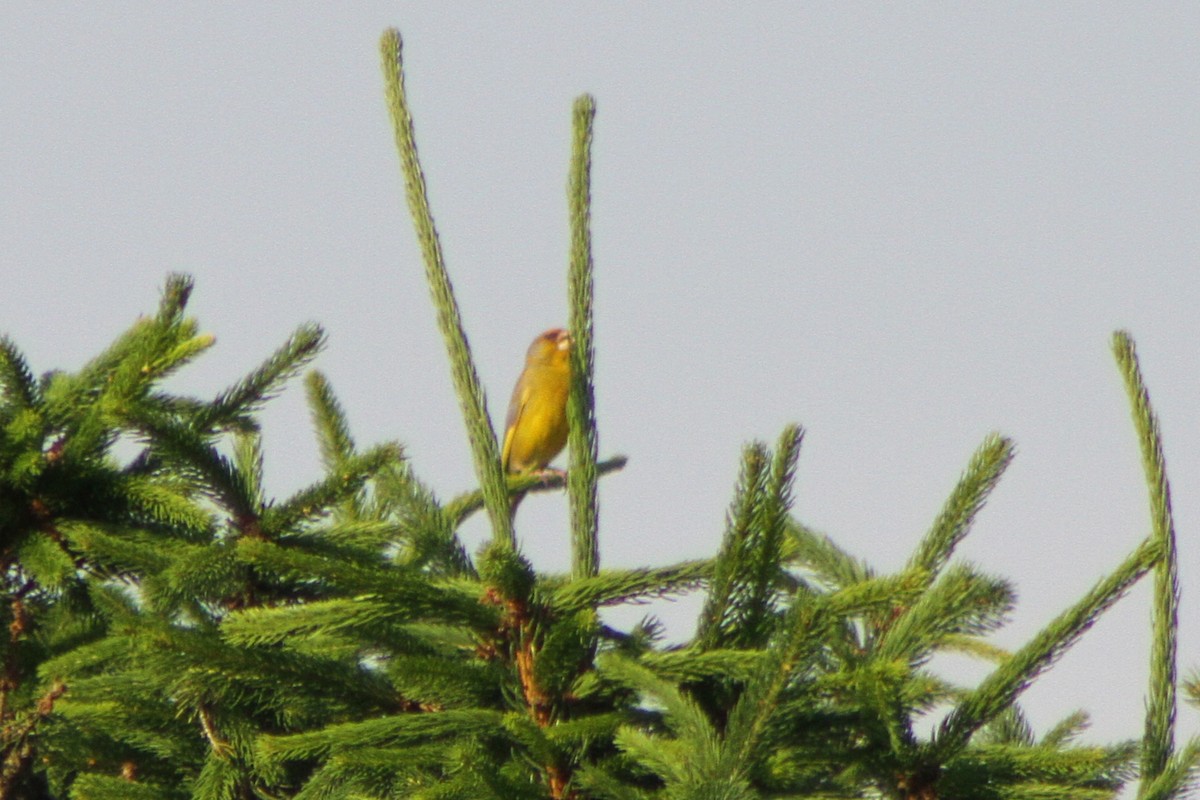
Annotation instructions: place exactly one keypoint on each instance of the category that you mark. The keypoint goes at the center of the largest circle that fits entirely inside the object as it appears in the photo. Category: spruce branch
(1033, 770)
(615, 587)
(329, 418)
(1176, 779)
(175, 295)
(1002, 687)
(224, 777)
(467, 503)
(368, 618)
(163, 502)
(585, 730)
(118, 550)
(191, 454)
(177, 356)
(436, 682)
(402, 590)
(398, 730)
(361, 536)
(85, 404)
(974, 647)
(87, 407)
(232, 407)
(484, 448)
(114, 375)
(961, 601)
(428, 531)
(581, 403)
(801, 636)
(1010, 727)
(337, 487)
(1158, 741)
(763, 580)
(681, 715)
(219, 746)
(868, 598)
(820, 555)
(92, 786)
(718, 609)
(18, 749)
(17, 383)
(564, 648)
(954, 522)
(249, 464)
(603, 785)
(49, 560)
(689, 665)
(197, 576)
(749, 576)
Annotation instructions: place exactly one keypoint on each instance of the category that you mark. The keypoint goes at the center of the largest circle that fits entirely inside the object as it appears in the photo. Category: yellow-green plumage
(536, 428)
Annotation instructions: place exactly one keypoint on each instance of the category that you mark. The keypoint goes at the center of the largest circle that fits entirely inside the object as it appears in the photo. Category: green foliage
(1158, 741)
(742, 604)
(174, 631)
(484, 446)
(581, 411)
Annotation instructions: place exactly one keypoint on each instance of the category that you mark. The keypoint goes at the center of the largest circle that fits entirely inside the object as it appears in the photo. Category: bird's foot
(550, 475)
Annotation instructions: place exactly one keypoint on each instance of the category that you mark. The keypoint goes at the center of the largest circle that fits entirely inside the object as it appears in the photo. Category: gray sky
(902, 228)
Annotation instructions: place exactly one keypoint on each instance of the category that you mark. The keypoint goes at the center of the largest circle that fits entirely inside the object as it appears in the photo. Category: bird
(535, 430)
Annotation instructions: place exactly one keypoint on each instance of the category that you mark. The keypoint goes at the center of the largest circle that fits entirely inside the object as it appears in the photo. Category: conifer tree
(175, 632)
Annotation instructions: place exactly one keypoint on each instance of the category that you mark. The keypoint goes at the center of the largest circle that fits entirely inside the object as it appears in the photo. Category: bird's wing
(516, 405)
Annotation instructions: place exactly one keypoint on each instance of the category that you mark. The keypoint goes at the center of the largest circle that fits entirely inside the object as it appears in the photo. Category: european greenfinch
(536, 428)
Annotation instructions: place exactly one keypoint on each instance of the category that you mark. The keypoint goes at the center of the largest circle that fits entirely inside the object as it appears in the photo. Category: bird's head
(551, 347)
